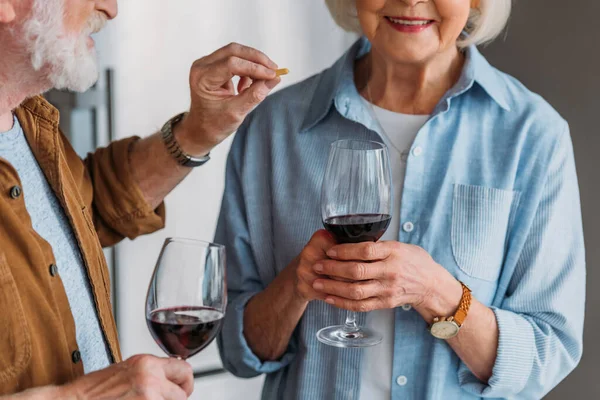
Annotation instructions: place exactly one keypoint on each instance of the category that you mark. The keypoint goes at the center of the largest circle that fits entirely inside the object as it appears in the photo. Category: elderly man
(57, 334)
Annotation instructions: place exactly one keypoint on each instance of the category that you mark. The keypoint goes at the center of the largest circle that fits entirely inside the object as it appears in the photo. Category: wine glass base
(340, 336)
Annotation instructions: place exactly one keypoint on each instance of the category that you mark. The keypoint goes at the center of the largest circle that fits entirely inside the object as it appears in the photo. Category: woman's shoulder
(525, 102)
(529, 115)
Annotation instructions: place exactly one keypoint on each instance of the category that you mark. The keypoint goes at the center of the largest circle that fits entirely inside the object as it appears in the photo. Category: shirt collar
(336, 87)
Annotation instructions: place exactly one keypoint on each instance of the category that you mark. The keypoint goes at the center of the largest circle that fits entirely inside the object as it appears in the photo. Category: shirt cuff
(117, 197)
(236, 354)
(514, 359)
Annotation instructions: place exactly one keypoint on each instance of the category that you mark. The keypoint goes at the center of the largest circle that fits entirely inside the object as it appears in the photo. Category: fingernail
(329, 300)
(332, 253)
(318, 285)
(318, 267)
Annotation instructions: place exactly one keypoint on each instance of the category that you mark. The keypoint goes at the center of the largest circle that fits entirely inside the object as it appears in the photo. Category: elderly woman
(487, 232)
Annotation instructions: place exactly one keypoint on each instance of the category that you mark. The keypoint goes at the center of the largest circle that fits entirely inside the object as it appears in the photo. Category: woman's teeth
(409, 22)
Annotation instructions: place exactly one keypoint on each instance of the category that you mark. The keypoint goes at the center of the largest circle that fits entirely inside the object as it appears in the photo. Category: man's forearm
(155, 171)
(42, 393)
(477, 342)
(271, 317)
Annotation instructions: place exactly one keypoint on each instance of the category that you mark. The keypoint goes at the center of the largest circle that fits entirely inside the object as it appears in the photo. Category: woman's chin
(407, 51)
(410, 56)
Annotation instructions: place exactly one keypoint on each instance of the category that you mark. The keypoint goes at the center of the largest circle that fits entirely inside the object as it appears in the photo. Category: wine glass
(187, 296)
(356, 204)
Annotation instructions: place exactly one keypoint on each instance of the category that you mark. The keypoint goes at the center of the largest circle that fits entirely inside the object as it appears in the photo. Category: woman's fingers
(354, 270)
(367, 305)
(350, 290)
(366, 251)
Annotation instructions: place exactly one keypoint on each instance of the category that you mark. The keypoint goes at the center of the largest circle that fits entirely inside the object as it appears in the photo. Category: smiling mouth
(410, 21)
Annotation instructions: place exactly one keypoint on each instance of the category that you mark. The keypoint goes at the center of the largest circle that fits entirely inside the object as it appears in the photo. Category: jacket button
(53, 270)
(76, 356)
(15, 192)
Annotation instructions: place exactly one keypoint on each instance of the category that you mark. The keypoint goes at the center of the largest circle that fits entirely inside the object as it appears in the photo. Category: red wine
(358, 228)
(184, 331)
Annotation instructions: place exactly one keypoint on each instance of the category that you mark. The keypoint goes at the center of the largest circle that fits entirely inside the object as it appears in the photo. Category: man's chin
(81, 87)
(77, 77)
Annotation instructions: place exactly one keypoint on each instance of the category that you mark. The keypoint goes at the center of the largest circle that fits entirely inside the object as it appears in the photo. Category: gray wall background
(553, 46)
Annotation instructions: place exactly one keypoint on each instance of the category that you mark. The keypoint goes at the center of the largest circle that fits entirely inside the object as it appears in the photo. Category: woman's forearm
(272, 315)
(477, 341)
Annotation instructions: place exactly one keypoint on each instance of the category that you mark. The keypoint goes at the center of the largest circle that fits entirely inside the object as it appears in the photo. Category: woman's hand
(272, 315)
(386, 275)
(314, 252)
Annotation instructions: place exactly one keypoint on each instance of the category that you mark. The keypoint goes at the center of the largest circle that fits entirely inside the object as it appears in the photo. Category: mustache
(96, 23)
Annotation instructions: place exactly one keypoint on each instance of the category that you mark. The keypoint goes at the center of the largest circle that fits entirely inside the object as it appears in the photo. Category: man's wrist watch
(174, 148)
(448, 327)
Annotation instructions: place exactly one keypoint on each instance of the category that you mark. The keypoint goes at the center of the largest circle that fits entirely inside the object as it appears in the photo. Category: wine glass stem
(350, 325)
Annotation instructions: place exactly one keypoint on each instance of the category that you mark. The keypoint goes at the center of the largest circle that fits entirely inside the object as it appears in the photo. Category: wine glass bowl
(356, 204)
(187, 296)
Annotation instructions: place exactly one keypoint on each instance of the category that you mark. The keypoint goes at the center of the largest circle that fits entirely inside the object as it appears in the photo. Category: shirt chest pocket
(481, 218)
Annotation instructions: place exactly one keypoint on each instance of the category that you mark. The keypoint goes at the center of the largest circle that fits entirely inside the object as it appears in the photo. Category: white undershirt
(399, 132)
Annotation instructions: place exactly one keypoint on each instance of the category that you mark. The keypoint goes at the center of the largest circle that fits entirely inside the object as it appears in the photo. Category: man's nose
(108, 7)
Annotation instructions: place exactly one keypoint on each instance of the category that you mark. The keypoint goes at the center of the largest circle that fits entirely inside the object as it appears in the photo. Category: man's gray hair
(484, 25)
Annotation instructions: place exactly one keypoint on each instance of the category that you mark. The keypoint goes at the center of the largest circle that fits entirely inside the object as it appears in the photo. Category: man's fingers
(229, 87)
(348, 290)
(171, 391)
(241, 67)
(244, 84)
(366, 251)
(217, 74)
(353, 270)
(180, 373)
(251, 97)
(244, 52)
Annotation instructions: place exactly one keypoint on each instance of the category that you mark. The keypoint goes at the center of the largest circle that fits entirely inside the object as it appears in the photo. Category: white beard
(70, 63)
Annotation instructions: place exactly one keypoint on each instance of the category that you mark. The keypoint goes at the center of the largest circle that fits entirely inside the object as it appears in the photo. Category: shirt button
(53, 270)
(401, 380)
(15, 192)
(407, 307)
(76, 356)
(408, 227)
(417, 151)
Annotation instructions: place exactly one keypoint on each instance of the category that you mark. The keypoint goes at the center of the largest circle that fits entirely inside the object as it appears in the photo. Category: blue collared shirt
(492, 195)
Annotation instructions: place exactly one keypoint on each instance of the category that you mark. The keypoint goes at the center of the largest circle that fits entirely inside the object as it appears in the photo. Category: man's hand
(216, 110)
(215, 113)
(141, 377)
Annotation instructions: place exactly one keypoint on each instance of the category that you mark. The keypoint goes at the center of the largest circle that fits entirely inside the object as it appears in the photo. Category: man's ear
(7, 12)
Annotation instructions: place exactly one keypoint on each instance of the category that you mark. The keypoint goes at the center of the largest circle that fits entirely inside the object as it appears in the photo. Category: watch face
(444, 329)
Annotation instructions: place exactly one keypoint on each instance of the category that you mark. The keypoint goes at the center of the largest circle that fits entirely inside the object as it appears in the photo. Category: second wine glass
(356, 204)
(187, 296)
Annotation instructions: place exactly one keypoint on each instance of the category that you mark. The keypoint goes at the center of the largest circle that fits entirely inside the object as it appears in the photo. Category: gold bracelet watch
(447, 327)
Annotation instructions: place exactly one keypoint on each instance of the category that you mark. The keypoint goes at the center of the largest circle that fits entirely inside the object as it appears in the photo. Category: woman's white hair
(484, 24)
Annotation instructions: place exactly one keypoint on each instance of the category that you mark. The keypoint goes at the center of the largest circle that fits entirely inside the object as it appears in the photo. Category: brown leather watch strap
(463, 307)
